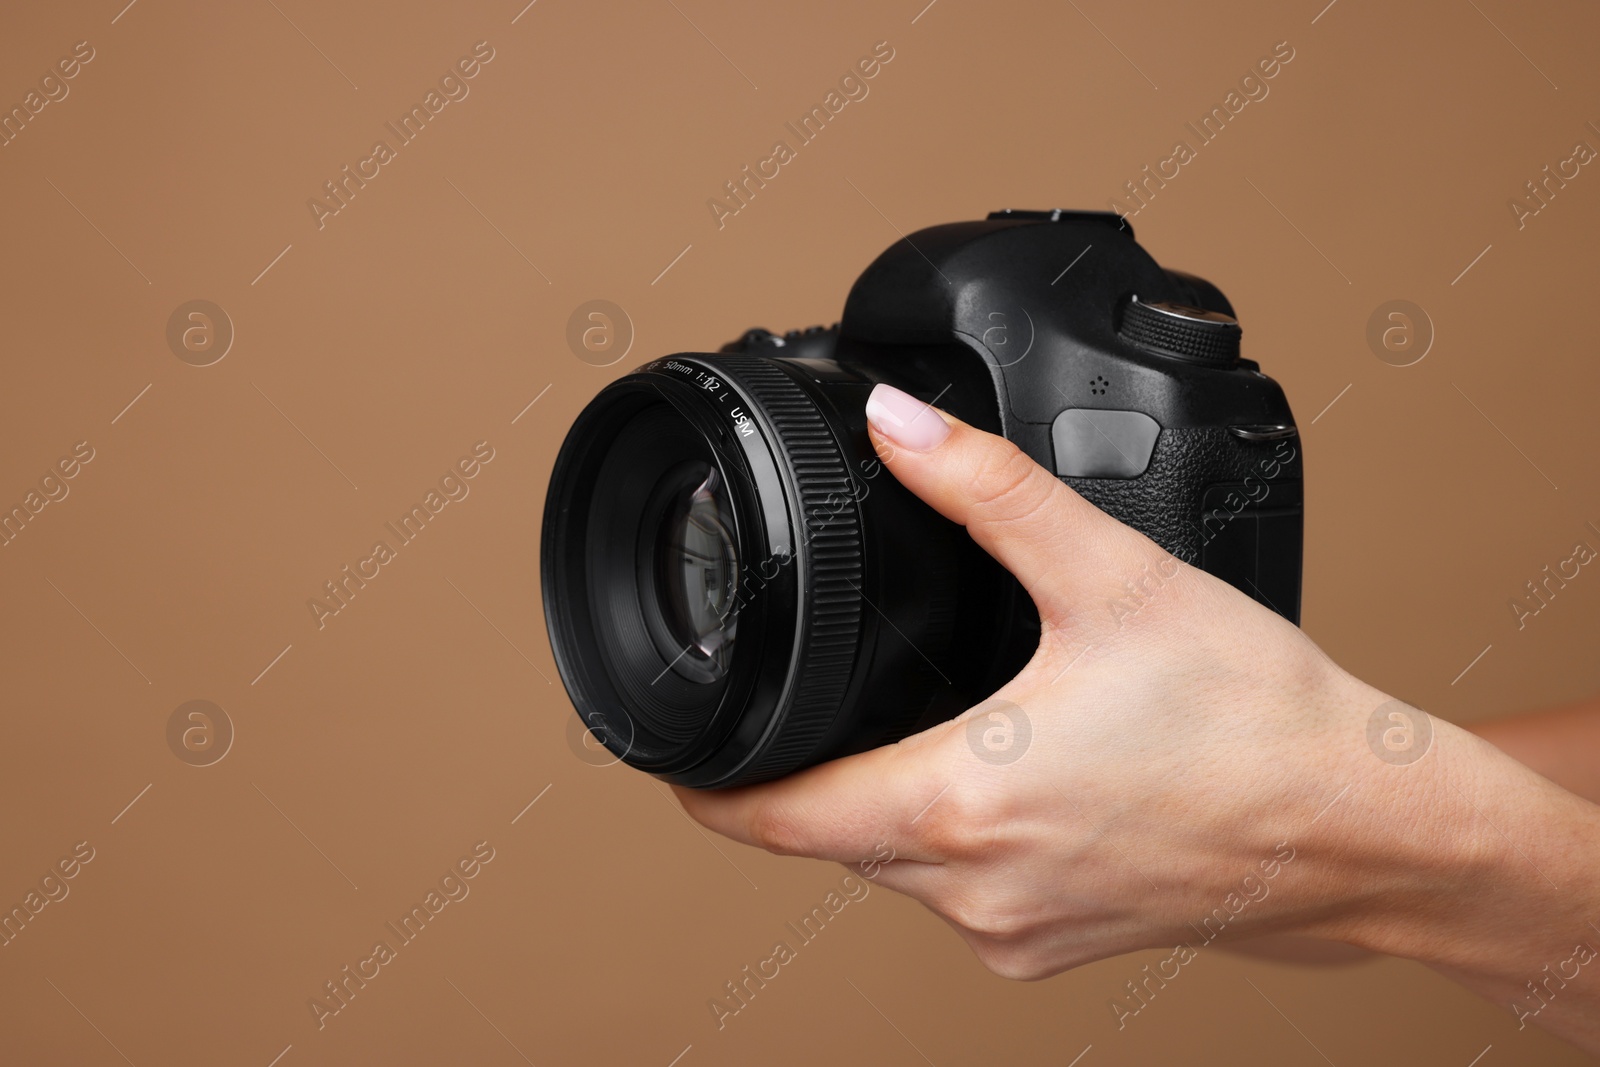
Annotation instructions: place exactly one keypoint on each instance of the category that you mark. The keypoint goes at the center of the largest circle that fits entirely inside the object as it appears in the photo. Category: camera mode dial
(1181, 331)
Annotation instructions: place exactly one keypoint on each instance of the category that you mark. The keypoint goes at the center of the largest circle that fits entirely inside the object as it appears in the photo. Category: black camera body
(736, 588)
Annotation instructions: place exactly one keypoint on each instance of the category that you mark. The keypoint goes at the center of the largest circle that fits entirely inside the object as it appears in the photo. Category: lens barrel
(736, 587)
(703, 569)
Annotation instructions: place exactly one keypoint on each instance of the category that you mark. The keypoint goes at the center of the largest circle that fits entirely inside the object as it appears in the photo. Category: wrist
(1469, 862)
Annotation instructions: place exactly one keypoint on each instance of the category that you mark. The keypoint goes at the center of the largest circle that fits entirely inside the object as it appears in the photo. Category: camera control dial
(1181, 331)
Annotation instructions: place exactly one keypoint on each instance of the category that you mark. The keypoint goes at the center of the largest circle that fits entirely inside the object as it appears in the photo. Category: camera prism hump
(1164, 427)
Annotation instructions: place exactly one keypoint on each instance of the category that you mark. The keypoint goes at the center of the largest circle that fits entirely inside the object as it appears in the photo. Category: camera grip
(1232, 507)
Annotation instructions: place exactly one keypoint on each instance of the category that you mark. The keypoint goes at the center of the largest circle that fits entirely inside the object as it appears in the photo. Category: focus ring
(831, 549)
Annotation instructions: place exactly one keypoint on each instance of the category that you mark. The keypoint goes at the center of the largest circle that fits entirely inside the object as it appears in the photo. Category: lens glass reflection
(697, 570)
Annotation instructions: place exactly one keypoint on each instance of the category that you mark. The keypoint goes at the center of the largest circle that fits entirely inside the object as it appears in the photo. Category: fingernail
(904, 419)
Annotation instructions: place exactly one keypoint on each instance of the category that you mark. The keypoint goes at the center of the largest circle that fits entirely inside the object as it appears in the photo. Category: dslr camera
(736, 588)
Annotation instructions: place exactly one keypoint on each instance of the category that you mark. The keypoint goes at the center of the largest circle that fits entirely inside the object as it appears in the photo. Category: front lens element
(696, 561)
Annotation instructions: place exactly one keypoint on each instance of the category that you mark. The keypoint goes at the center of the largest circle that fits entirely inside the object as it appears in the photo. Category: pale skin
(1177, 747)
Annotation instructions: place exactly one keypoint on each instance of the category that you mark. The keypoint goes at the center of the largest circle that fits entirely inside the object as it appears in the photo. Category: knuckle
(956, 832)
(774, 829)
(966, 911)
(1008, 487)
(1020, 963)
(993, 919)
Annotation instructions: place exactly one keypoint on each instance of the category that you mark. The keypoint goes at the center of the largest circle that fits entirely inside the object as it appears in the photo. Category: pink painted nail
(905, 420)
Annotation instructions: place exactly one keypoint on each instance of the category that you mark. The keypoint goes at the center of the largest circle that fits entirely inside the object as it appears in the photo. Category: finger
(846, 810)
(1052, 539)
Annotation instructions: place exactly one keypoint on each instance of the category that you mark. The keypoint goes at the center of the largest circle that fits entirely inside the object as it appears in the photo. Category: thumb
(1040, 530)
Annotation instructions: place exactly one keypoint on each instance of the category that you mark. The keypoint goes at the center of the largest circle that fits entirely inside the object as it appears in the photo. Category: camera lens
(734, 586)
(641, 568)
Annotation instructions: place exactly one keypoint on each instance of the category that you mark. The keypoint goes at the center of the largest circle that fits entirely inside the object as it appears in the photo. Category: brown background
(378, 349)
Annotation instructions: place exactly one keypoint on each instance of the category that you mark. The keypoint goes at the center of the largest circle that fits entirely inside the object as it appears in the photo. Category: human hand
(1198, 769)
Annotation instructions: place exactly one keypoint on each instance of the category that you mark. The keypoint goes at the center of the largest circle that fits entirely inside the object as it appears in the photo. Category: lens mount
(702, 568)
